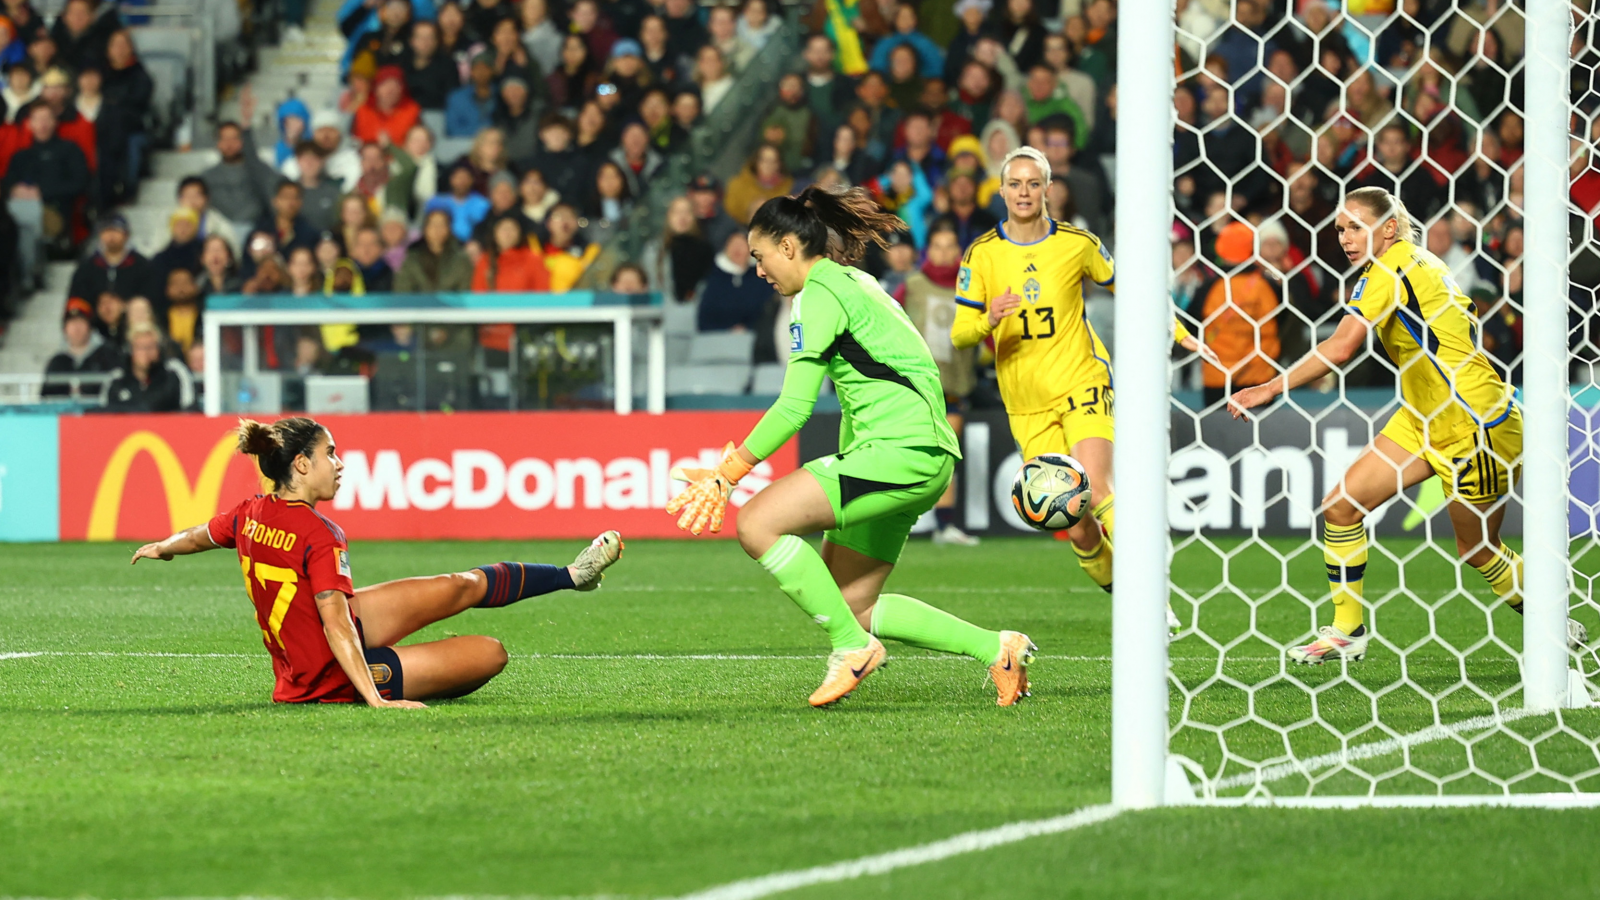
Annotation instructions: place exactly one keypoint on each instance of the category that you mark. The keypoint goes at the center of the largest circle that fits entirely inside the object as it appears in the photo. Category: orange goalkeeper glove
(705, 500)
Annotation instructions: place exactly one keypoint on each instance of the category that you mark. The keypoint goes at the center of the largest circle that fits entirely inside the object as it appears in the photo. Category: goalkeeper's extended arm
(704, 502)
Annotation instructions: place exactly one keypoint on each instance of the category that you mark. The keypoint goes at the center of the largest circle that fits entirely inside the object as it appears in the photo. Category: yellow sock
(1096, 563)
(1504, 574)
(1106, 515)
(1344, 549)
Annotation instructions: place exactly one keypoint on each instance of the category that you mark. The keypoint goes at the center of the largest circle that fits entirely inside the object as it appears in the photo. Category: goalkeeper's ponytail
(1385, 206)
(829, 222)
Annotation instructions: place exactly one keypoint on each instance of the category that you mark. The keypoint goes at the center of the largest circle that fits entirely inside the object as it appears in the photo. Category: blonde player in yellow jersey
(1055, 374)
(1458, 418)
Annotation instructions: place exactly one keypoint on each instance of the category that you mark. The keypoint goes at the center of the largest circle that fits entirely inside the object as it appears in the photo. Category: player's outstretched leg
(394, 609)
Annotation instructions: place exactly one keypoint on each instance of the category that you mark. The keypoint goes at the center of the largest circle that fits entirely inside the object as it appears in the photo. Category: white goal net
(1280, 109)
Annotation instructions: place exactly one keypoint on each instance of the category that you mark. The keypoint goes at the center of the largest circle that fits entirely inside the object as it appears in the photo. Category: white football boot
(1331, 643)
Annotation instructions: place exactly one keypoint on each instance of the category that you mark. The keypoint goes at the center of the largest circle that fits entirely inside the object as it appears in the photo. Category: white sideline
(972, 841)
(1367, 751)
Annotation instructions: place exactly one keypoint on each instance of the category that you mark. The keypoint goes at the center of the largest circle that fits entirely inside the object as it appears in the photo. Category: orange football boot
(1010, 670)
(846, 669)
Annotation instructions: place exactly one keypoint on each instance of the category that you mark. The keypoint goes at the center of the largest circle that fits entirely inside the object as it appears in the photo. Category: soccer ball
(1051, 492)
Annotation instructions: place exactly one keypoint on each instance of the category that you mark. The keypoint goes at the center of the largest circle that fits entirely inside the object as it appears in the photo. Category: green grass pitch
(653, 773)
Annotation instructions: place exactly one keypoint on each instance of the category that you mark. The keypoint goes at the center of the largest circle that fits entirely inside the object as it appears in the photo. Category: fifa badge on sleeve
(344, 563)
(797, 339)
(964, 280)
(1361, 286)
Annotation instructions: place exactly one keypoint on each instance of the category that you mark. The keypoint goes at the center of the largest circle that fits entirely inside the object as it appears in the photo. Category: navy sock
(945, 516)
(513, 581)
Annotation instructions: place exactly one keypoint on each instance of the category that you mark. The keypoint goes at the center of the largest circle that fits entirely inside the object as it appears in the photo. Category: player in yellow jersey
(1055, 374)
(1458, 418)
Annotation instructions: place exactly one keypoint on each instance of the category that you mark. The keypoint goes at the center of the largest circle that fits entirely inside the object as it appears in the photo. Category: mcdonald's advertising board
(408, 476)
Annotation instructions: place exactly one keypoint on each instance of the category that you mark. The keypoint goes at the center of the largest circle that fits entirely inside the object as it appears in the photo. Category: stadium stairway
(308, 71)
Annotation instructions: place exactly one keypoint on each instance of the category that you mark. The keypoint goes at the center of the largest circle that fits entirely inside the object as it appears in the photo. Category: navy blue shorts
(384, 664)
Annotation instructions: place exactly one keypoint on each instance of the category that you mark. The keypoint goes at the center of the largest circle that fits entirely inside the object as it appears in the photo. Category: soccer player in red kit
(329, 641)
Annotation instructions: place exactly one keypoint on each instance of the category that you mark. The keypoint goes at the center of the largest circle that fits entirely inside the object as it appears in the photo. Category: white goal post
(1421, 739)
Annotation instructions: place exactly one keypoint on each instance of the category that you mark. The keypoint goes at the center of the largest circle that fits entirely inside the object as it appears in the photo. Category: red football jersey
(289, 554)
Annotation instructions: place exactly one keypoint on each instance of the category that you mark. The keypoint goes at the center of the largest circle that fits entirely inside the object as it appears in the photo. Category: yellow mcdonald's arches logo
(185, 505)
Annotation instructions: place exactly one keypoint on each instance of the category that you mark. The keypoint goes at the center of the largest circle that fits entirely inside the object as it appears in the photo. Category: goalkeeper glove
(705, 500)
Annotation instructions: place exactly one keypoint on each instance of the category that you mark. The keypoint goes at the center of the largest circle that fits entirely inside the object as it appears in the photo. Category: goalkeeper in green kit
(897, 451)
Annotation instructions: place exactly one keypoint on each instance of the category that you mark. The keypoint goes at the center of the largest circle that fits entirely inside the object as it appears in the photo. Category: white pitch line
(1377, 748)
(609, 657)
(971, 842)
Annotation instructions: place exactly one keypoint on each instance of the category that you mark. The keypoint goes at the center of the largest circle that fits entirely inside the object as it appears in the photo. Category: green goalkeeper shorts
(878, 492)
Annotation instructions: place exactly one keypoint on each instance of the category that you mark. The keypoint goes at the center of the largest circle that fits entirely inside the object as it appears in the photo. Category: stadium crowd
(497, 146)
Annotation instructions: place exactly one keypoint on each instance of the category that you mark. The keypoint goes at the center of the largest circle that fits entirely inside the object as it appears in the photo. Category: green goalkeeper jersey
(845, 327)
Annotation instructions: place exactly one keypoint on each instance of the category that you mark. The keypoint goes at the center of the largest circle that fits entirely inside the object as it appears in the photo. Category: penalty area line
(882, 863)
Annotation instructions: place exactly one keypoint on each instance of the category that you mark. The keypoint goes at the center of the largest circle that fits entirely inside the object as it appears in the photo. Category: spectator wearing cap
(516, 116)
(144, 383)
(626, 70)
(972, 15)
(466, 207)
(734, 297)
(183, 246)
(636, 159)
(70, 125)
(1239, 316)
(114, 266)
(83, 350)
(241, 185)
(930, 59)
(705, 194)
(46, 185)
(470, 108)
(341, 165)
(388, 114)
(430, 74)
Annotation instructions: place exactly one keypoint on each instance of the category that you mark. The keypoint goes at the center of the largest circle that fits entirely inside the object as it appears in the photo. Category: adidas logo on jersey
(1031, 268)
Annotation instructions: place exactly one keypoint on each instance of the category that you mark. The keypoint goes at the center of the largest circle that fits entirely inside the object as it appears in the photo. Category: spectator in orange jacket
(388, 112)
(1239, 315)
(512, 264)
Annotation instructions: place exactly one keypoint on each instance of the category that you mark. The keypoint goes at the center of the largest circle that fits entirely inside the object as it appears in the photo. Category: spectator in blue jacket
(930, 59)
(466, 207)
(470, 108)
(290, 131)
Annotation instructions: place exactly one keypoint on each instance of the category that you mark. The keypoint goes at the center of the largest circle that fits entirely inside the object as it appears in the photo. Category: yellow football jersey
(1047, 349)
(1430, 331)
